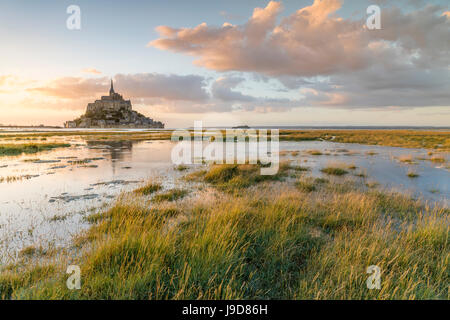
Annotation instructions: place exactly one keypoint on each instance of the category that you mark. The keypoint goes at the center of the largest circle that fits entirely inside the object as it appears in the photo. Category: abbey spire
(112, 111)
(111, 91)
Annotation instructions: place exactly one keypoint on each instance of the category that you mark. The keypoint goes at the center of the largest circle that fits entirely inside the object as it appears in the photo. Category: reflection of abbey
(112, 112)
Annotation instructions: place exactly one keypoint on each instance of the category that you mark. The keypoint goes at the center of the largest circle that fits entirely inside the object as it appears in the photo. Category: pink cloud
(91, 71)
(138, 86)
(73, 87)
(312, 41)
(4, 79)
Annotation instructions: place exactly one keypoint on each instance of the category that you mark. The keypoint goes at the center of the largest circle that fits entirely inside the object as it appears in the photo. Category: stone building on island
(112, 111)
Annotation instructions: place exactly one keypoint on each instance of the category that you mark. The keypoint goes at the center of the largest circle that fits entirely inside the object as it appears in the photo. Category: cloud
(222, 89)
(312, 41)
(311, 57)
(4, 79)
(73, 87)
(226, 97)
(143, 85)
(91, 71)
(167, 87)
(378, 87)
(52, 103)
(332, 61)
(13, 81)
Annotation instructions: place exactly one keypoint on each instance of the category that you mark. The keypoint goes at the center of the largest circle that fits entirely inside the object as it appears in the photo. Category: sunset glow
(259, 63)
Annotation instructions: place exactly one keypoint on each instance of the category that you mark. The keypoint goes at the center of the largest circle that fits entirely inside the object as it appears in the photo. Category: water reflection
(116, 151)
(65, 185)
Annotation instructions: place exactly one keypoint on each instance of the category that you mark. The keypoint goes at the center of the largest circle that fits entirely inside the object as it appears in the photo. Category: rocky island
(112, 111)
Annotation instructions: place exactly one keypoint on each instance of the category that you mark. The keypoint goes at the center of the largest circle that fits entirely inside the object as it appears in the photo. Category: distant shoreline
(336, 127)
(31, 127)
(267, 127)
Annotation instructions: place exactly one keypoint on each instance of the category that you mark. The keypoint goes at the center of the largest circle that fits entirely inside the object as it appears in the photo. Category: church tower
(111, 91)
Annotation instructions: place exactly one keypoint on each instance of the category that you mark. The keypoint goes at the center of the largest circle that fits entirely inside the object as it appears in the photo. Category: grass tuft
(412, 174)
(334, 171)
(148, 189)
(170, 195)
(233, 177)
(18, 149)
(315, 152)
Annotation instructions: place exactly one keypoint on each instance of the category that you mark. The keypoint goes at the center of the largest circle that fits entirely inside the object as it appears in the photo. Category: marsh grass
(149, 188)
(233, 177)
(314, 152)
(58, 217)
(412, 174)
(351, 166)
(18, 149)
(170, 195)
(78, 162)
(335, 171)
(361, 174)
(300, 168)
(302, 239)
(33, 251)
(408, 159)
(89, 166)
(92, 135)
(438, 140)
(10, 179)
(195, 176)
(306, 185)
(372, 184)
(438, 159)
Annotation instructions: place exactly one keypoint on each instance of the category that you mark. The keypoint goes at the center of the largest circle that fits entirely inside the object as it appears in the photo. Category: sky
(254, 62)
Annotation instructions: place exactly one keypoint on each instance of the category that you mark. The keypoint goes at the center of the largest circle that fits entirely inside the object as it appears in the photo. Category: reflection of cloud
(91, 71)
(117, 150)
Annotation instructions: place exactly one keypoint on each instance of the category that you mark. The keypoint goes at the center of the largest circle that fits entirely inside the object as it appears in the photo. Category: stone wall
(113, 105)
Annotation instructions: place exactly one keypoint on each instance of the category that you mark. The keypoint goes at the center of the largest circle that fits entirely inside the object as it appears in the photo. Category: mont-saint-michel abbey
(112, 111)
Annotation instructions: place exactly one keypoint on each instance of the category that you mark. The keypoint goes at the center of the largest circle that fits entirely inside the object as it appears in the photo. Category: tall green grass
(148, 189)
(279, 241)
(234, 177)
(17, 149)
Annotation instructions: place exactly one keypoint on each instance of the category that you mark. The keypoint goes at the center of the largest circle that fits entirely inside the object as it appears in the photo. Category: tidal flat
(140, 227)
